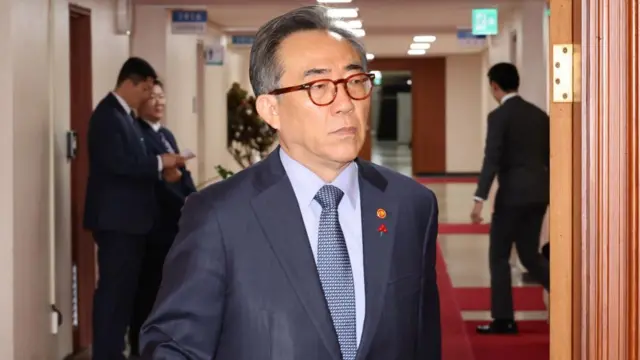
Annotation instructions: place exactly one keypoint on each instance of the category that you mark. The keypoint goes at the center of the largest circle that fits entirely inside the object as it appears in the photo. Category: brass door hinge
(566, 73)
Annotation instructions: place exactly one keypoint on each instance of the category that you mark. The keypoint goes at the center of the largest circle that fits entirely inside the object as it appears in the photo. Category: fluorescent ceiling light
(416, 52)
(370, 57)
(424, 38)
(351, 24)
(420, 46)
(334, 1)
(358, 32)
(343, 13)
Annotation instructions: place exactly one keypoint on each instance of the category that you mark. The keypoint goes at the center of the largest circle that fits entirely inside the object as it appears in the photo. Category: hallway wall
(34, 91)
(464, 117)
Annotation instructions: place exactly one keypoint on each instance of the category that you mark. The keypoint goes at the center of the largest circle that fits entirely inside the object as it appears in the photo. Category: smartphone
(187, 154)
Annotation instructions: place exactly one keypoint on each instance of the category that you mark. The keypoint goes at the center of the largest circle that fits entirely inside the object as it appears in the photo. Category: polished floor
(466, 255)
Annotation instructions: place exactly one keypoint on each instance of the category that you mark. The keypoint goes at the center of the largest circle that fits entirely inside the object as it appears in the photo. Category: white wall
(464, 113)
(238, 66)
(35, 213)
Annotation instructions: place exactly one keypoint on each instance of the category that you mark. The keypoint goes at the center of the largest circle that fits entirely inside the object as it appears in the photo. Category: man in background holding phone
(120, 202)
(171, 193)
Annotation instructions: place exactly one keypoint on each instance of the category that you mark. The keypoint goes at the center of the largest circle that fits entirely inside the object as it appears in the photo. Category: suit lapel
(275, 206)
(379, 217)
(151, 137)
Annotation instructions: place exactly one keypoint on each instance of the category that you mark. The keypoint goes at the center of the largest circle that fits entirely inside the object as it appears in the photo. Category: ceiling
(389, 25)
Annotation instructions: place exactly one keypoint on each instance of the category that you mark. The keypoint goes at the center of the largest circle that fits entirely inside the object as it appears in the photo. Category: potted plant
(249, 138)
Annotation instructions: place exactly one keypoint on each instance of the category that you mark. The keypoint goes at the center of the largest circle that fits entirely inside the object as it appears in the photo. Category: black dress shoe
(498, 327)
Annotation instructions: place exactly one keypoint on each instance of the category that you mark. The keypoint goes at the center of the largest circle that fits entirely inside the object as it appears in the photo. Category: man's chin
(345, 152)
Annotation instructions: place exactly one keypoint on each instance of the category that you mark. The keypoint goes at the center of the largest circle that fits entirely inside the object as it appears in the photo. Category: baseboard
(80, 355)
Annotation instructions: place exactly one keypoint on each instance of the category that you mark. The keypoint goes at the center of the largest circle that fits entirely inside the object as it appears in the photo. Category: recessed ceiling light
(343, 13)
(409, 82)
(370, 57)
(416, 52)
(358, 32)
(334, 1)
(350, 24)
(420, 46)
(424, 38)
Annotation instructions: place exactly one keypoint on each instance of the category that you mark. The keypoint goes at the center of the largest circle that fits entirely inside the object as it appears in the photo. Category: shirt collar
(123, 103)
(306, 184)
(156, 126)
(507, 97)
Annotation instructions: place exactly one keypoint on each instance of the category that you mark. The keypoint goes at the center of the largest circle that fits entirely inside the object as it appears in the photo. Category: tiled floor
(466, 256)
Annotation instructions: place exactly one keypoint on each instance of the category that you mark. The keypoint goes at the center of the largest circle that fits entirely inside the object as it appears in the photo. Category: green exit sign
(484, 21)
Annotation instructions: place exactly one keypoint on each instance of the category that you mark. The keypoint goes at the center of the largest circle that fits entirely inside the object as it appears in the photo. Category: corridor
(463, 275)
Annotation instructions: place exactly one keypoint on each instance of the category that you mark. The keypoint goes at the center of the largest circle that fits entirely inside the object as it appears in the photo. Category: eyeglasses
(323, 92)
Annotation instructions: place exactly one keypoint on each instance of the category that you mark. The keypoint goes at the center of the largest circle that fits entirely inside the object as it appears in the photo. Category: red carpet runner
(528, 298)
(531, 344)
(455, 343)
(452, 228)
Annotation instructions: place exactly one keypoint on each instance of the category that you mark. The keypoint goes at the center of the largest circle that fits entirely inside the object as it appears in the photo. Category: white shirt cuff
(479, 199)
(160, 167)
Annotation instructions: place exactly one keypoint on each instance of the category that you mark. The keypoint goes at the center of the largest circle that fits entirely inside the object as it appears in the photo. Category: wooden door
(82, 245)
(428, 150)
(594, 177)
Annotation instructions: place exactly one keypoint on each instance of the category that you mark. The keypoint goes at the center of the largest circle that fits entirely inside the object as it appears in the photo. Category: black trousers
(519, 224)
(157, 246)
(119, 261)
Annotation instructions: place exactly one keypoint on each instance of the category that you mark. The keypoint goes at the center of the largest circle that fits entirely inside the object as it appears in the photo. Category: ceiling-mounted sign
(484, 21)
(242, 39)
(466, 37)
(188, 21)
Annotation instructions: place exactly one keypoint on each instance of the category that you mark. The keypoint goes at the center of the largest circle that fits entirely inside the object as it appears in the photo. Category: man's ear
(267, 106)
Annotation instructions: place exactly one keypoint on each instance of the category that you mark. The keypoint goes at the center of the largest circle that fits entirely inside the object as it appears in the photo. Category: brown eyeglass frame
(307, 87)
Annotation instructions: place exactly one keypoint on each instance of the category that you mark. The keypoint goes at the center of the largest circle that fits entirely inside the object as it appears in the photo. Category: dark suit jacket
(170, 196)
(240, 282)
(122, 174)
(517, 151)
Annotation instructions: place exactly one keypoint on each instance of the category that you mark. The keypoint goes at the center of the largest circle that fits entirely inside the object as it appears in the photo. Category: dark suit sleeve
(109, 151)
(429, 345)
(492, 154)
(187, 317)
(186, 180)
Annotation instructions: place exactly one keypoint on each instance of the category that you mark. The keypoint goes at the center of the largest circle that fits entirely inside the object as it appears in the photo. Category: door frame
(595, 199)
(83, 251)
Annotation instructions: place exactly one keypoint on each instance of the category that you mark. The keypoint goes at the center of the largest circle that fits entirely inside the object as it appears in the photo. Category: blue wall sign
(242, 39)
(189, 21)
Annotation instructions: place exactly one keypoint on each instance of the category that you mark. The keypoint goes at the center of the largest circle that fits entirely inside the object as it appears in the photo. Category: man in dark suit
(312, 253)
(517, 151)
(170, 200)
(120, 202)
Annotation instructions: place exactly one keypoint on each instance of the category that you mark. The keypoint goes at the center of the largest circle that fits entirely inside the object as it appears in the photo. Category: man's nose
(343, 103)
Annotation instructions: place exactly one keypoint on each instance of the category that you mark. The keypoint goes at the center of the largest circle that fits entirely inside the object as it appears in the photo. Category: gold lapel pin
(381, 213)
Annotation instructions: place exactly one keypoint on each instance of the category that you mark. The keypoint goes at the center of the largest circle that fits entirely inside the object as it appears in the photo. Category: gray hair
(265, 69)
